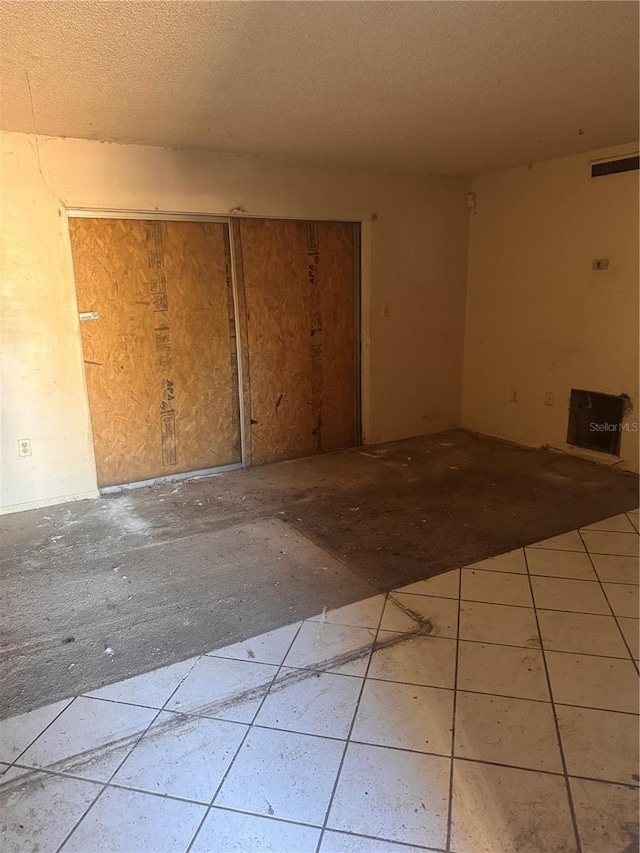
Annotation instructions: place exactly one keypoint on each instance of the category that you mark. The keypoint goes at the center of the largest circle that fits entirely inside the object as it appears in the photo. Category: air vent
(613, 167)
(595, 420)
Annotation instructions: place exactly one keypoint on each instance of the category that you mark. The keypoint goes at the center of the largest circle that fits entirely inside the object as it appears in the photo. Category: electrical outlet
(514, 395)
(386, 309)
(548, 398)
(24, 447)
(600, 264)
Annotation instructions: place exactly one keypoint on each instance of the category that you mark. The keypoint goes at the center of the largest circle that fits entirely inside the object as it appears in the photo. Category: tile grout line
(429, 686)
(29, 745)
(276, 819)
(250, 726)
(533, 574)
(290, 666)
(403, 590)
(563, 760)
(347, 832)
(536, 648)
(9, 763)
(527, 606)
(164, 796)
(453, 721)
(199, 803)
(101, 786)
(613, 613)
(82, 816)
(106, 784)
(550, 609)
(432, 686)
(409, 844)
(574, 551)
(253, 724)
(351, 727)
(634, 523)
(508, 645)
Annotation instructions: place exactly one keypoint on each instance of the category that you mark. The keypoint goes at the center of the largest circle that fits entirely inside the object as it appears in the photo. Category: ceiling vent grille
(613, 167)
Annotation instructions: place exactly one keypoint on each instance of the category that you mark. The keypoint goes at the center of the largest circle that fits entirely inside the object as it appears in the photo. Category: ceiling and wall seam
(430, 88)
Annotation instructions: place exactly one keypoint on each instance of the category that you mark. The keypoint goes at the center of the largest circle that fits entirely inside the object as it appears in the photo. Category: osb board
(160, 359)
(299, 282)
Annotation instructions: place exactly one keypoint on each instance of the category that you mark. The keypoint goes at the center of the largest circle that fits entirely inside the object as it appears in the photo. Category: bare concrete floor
(96, 591)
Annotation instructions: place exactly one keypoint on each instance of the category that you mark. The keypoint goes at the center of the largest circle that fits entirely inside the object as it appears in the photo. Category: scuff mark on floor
(181, 722)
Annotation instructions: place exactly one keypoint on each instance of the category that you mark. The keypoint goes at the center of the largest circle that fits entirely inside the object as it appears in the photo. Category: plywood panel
(300, 297)
(160, 359)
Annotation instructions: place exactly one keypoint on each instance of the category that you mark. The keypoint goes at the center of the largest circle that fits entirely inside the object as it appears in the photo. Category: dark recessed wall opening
(595, 421)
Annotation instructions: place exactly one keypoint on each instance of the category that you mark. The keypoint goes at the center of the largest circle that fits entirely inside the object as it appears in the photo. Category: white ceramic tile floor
(323, 705)
(623, 598)
(406, 716)
(512, 561)
(495, 587)
(560, 564)
(617, 523)
(571, 595)
(430, 661)
(608, 542)
(207, 689)
(616, 569)
(492, 709)
(402, 613)
(151, 689)
(90, 739)
(18, 732)
(331, 648)
(502, 671)
(607, 815)
(630, 629)
(571, 541)
(182, 756)
(393, 794)
(498, 623)
(266, 648)
(584, 633)
(503, 730)
(506, 810)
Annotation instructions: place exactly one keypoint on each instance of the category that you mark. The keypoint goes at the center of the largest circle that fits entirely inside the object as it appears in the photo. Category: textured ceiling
(419, 86)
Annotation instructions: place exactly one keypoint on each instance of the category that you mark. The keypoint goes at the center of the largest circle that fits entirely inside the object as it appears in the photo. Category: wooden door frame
(362, 284)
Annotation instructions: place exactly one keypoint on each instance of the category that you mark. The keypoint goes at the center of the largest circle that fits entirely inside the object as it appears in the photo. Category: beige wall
(538, 318)
(415, 260)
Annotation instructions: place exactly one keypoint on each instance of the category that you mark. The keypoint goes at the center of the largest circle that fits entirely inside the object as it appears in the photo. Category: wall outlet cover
(24, 447)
